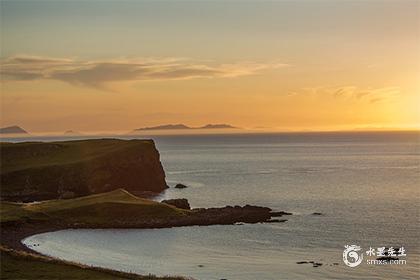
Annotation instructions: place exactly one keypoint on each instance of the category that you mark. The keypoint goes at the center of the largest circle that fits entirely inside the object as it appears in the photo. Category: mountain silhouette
(12, 130)
(183, 126)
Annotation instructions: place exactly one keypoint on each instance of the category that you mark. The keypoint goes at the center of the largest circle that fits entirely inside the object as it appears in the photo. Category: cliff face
(37, 171)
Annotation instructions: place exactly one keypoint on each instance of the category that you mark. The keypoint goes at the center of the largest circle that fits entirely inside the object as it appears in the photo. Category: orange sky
(282, 66)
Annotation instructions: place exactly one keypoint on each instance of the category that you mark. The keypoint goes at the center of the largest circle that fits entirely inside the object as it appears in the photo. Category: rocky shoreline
(13, 232)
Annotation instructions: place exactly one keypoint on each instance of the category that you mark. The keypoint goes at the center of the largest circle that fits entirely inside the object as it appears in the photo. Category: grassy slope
(107, 209)
(20, 265)
(26, 155)
(111, 208)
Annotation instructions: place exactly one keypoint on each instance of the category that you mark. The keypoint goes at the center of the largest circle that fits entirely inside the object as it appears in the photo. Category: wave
(192, 171)
(257, 241)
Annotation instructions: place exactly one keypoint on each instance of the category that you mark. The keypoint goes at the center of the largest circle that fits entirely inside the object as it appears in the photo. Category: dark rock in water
(179, 203)
(180, 186)
(314, 264)
(317, 214)
(276, 221)
(280, 213)
(231, 214)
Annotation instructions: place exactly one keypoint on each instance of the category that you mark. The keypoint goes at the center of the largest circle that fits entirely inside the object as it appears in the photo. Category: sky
(299, 65)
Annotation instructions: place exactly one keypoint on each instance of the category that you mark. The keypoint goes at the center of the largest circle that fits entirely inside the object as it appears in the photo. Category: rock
(276, 221)
(178, 203)
(280, 213)
(231, 215)
(314, 264)
(180, 186)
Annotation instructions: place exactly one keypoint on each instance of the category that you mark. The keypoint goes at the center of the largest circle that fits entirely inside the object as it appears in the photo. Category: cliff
(37, 171)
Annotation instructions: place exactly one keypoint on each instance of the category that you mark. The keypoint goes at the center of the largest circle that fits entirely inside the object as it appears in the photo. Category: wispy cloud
(98, 73)
(369, 94)
(372, 95)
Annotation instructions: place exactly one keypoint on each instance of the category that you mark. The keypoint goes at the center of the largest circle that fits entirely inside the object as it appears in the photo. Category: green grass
(20, 265)
(113, 208)
(117, 208)
(26, 155)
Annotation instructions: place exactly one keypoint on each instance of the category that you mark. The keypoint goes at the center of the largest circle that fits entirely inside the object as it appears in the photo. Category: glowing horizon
(275, 66)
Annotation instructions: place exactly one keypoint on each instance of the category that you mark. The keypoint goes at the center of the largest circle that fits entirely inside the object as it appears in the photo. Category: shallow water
(365, 184)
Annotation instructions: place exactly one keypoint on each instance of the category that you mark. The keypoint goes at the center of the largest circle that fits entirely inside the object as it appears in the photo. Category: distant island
(183, 126)
(72, 133)
(12, 130)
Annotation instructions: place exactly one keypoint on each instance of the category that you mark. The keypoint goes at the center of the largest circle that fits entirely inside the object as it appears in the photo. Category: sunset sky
(282, 65)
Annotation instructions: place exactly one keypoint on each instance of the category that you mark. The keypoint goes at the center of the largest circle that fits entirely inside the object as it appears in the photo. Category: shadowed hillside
(37, 171)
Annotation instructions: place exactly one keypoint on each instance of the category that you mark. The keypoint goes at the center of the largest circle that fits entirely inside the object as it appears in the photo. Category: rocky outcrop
(181, 203)
(180, 186)
(37, 171)
(314, 263)
(280, 213)
(230, 215)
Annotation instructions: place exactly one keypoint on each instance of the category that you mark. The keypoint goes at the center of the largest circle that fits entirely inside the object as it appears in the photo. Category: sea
(364, 185)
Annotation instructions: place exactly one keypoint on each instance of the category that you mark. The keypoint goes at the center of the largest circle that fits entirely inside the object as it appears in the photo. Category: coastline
(13, 232)
(38, 261)
(117, 208)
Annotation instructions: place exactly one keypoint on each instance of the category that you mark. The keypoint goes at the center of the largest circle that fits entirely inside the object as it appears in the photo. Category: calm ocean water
(367, 186)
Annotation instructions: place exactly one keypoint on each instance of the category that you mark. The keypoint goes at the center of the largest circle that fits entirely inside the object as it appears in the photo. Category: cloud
(98, 73)
(369, 94)
(372, 95)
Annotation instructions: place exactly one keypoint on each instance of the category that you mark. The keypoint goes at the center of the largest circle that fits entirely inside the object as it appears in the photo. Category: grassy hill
(38, 171)
(21, 265)
(115, 208)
